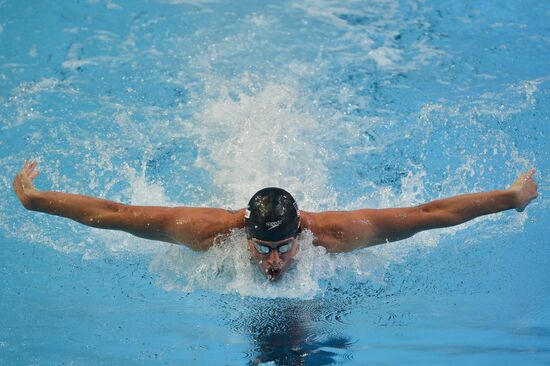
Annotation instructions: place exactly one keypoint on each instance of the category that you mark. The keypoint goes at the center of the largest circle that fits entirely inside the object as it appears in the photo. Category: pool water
(346, 105)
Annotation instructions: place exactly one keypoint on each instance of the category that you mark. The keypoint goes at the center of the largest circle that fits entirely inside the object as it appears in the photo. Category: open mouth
(273, 273)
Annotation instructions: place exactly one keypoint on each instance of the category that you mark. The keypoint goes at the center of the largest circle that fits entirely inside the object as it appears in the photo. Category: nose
(273, 258)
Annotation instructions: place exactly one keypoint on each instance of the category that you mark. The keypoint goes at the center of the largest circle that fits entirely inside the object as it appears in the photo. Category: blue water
(346, 105)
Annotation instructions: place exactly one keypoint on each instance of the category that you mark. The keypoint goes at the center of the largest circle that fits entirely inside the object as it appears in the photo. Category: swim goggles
(283, 248)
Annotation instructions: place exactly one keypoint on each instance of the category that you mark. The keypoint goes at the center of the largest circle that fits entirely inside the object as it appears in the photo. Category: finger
(34, 174)
(32, 166)
(530, 173)
(27, 166)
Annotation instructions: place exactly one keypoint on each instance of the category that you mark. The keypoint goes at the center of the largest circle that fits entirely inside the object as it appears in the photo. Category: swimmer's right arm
(197, 228)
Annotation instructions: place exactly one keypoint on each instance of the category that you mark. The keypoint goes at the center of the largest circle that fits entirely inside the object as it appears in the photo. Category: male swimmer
(272, 219)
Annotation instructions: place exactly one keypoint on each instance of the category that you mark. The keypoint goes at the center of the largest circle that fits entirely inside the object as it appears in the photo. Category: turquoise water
(346, 105)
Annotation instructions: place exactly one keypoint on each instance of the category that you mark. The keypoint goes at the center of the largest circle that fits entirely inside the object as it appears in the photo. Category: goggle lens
(264, 249)
(285, 248)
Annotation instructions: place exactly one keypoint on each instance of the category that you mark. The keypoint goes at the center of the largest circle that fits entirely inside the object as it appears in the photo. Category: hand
(22, 184)
(525, 188)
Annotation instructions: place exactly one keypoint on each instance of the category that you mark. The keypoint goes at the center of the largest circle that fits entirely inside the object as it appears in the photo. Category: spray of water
(223, 133)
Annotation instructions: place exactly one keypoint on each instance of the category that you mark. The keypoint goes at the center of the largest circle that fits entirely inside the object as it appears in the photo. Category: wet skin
(273, 264)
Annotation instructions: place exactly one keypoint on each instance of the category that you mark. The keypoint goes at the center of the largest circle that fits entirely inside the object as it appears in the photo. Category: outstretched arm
(342, 231)
(198, 228)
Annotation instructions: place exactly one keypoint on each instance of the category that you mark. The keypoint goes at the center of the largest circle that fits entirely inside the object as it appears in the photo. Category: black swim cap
(272, 215)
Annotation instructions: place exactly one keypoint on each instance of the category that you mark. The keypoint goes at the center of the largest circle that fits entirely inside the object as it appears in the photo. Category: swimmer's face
(273, 257)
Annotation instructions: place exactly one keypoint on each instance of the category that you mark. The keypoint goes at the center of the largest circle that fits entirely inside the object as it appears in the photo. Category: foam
(287, 121)
(262, 140)
(268, 128)
(374, 31)
(227, 268)
(190, 2)
(385, 57)
(111, 5)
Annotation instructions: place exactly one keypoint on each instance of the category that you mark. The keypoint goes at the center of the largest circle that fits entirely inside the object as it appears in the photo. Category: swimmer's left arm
(342, 231)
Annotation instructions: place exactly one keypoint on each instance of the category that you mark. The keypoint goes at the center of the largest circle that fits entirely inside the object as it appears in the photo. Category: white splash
(261, 140)
(228, 268)
(255, 130)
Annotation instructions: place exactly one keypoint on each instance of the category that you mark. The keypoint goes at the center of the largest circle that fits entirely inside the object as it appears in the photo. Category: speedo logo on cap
(273, 224)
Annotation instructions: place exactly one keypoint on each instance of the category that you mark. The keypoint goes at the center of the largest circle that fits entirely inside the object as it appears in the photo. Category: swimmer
(272, 220)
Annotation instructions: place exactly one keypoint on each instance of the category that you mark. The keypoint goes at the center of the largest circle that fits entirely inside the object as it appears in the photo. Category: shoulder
(206, 212)
(200, 227)
(341, 231)
(326, 227)
(327, 220)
